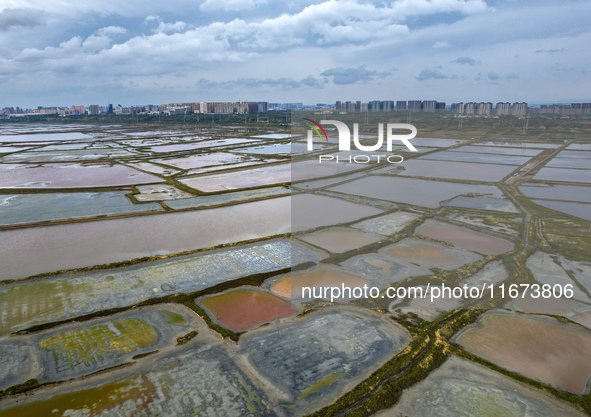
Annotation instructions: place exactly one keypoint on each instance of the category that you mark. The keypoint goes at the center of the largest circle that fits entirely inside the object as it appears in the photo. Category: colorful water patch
(243, 309)
(292, 287)
(464, 238)
(543, 349)
(338, 240)
(74, 294)
(463, 388)
(201, 383)
(429, 254)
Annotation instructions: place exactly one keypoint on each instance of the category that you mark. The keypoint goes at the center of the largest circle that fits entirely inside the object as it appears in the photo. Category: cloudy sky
(64, 52)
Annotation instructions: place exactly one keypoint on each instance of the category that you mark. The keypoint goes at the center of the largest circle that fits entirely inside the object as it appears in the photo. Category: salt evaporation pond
(202, 160)
(267, 175)
(436, 142)
(5, 149)
(71, 175)
(66, 156)
(455, 170)
(579, 147)
(429, 254)
(557, 192)
(74, 294)
(575, 209)
(33, 251)
(291, 287)
(310, 361)
(564, 175)
(387, 224)
(44, 137)
(482, 203)
(569, 163)
(174, 148)
(78, 349)
(518, 144)
(249, 178)
(498, 150)
(309, 211)
(574, 154)
(540, 348)
(217, 199)
(274, 136)
(244, 309)
(277, 149)
(382, 270)
(28, 208)
(156, 169)
(554, 306)
(412, 191)
(463, 388)
(340, 240)
(457, 156)
(464, 238)
(187, 383)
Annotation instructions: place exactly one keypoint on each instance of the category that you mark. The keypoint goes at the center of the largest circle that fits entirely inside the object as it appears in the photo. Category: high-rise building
(484, 109)
(519, 109)
(78, 110)
(375, 105)
(93, 109)
(429, 106)
(503, 109)
(457, 108)
(387, 105)
(415, 106)
(401, 105)
(470, 108)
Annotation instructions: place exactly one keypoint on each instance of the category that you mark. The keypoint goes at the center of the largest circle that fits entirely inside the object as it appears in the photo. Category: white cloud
(164, 27)
(102, 38)
(229, 5)
(441, 44)
(424, 7)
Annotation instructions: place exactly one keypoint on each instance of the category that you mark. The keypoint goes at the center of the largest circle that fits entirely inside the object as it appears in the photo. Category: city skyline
(56, 54)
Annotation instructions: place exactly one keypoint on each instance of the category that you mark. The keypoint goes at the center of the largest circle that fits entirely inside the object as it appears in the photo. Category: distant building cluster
(423, 106)
(468, 109)
(162, 109)
(434, 106)
(574, 109)
(486, 109)
(286, 106)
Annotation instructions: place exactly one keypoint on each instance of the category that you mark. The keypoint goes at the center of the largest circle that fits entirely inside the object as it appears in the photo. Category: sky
(131, 52)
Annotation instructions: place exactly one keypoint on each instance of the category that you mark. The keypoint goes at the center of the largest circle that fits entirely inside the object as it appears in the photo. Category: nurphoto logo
(345, 141)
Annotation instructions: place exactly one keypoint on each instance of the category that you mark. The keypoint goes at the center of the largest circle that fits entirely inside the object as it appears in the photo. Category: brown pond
(243, 309)
(559, 306)
(34, 250)
(465, 238)
(428, 254)
(291, 287)
(543, 349)
(340, 240)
